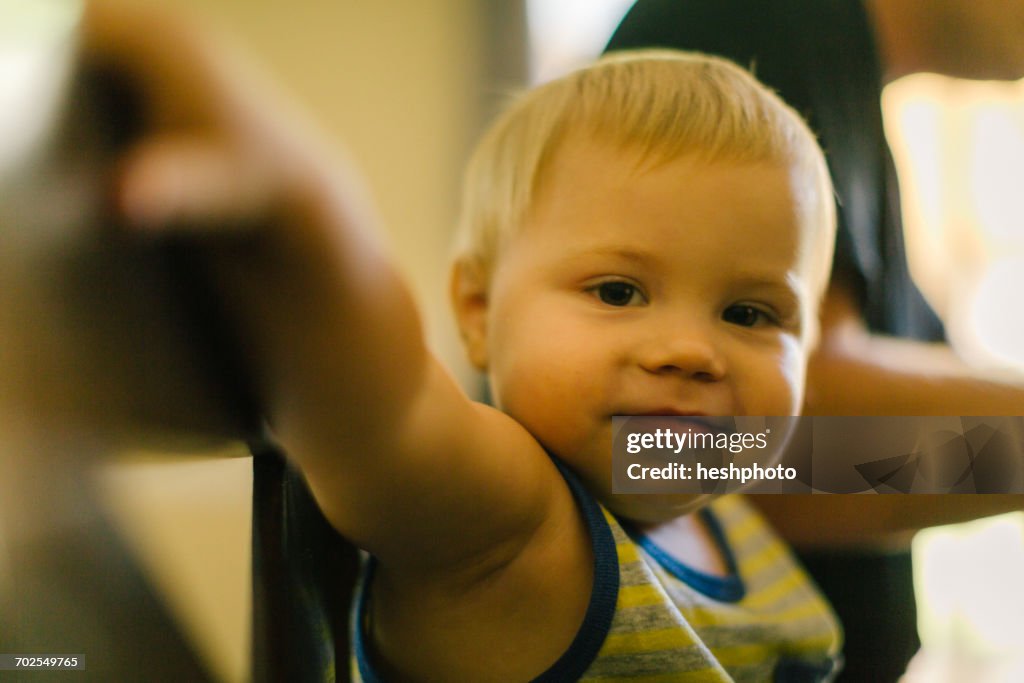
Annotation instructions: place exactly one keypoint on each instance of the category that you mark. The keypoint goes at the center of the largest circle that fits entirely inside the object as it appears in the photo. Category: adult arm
(855, 372)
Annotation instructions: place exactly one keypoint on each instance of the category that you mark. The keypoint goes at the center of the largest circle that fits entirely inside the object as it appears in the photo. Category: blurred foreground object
(103, 346)
(103, 332)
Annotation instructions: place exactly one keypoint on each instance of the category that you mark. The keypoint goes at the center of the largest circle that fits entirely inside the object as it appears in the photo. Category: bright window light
(565, 34)
(959, 149)
(971, 608)
(36, 42)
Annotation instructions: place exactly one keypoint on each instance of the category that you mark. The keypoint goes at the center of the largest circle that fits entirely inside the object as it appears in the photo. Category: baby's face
(632, 290)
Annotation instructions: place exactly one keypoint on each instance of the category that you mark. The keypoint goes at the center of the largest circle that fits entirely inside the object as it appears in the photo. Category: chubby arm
(399, 459)
(478, 538)
(855, 372)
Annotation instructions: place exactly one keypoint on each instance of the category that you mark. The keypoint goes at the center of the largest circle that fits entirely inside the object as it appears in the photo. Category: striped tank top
(652, 619)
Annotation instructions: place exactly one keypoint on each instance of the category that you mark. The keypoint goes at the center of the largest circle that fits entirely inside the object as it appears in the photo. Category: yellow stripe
(740, 655)
(742, 530)
(698, 676)
(803, 610)
(727, 506)
(755, 653)
(774, 592)
(639, 595)
(627, 552)
(646, 641)
(822, 642)
(702, 618)
(763, 559)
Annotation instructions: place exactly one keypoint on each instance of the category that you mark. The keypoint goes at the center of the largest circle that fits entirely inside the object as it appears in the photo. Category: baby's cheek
(551, 401)
(794, 374)
(777, 386)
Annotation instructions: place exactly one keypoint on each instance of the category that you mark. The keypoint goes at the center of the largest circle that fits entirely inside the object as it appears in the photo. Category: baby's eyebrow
(785, 283)
(620, 252)
(788, 288)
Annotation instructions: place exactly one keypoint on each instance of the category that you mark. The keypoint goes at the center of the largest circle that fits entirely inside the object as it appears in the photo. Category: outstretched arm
(396, 454)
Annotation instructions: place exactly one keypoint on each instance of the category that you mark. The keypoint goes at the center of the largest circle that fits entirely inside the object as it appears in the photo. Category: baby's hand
(219, 159)
(215, 147)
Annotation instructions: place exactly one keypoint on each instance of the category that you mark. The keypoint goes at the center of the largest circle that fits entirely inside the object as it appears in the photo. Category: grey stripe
(645, 617)
(769, 575)
(649, 663)
(753, 544)
(754, 634)
(634, 574)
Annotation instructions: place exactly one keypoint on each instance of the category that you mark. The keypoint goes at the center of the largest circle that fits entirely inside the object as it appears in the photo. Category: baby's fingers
(188, 183)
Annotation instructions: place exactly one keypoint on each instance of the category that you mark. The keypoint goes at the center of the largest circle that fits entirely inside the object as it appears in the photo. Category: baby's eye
(746, 315)
(618, 293)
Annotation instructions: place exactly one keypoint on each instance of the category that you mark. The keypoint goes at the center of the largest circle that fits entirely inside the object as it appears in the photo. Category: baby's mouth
(695, 422)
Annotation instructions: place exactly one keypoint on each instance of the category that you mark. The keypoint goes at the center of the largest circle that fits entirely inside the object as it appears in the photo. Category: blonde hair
(664, 104)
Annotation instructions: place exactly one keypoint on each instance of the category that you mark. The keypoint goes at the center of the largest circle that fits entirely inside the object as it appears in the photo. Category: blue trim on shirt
(600, 610)
(603, 597)
(722, 588)
(366, 670)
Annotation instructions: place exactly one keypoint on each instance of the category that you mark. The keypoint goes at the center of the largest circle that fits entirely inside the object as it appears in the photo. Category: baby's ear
(469, 297)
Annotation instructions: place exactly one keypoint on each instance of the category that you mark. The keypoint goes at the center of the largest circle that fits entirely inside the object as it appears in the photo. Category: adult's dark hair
(820, 56)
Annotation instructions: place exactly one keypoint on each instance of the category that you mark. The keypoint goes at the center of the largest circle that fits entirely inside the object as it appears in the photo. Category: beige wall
(396, 82)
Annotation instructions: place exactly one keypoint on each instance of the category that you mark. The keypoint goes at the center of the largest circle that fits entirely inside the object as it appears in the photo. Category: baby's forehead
(589, 168)
(605, 197)
(629, 158)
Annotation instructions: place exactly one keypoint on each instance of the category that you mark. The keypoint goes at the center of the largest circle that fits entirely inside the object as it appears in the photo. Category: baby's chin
(655, 508)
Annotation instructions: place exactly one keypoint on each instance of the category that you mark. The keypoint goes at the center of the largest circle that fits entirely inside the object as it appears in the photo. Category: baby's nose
(686, 350)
